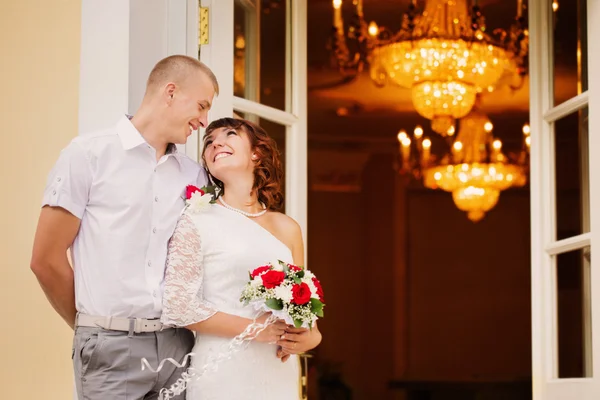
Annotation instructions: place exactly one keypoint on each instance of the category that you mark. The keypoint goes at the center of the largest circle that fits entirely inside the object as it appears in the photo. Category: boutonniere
(198, 199)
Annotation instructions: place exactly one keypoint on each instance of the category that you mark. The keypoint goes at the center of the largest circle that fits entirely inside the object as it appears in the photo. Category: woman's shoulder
(284, 220)
(285, 224)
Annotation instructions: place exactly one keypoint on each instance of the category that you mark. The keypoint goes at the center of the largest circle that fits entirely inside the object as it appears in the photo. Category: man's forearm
(57, 281)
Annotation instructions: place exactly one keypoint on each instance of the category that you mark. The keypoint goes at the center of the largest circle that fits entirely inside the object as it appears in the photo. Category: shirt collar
(130, 138)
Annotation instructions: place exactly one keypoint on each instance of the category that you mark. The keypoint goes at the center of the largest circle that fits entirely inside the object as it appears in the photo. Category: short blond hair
(176, 68)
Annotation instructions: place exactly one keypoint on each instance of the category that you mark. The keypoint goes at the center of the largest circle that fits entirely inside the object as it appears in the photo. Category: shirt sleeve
(183, 301)
(69, 181)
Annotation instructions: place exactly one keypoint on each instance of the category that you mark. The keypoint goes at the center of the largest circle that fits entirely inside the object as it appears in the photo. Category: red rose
(272, 278)
(319, 289)
(260, 270)
(191, 189)
(294, 268)
(300, 293)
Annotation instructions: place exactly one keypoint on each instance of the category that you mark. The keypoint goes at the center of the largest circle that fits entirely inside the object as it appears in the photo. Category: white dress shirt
(129, 205)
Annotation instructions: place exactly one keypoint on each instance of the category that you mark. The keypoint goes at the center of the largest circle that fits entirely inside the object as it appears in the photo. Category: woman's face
(228, 151)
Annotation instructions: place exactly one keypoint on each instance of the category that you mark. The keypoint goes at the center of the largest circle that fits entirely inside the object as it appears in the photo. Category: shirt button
(149, 263)
(154, 293)
(58, 179)
(156, 198)
(154, 230)
(54, 192)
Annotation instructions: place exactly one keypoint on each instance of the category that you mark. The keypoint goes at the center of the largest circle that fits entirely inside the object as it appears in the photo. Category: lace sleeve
(183, 303)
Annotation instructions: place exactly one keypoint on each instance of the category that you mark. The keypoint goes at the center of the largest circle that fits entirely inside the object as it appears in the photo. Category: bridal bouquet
(289, 292)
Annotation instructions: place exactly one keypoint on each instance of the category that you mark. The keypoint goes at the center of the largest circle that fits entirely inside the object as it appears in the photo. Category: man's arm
(55, 233)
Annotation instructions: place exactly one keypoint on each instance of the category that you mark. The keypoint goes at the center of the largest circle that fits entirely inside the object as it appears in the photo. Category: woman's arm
(228, 325)
(183, 301)
(297, 340)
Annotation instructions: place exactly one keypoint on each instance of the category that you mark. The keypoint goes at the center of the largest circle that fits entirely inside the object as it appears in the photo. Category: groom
(113, 198)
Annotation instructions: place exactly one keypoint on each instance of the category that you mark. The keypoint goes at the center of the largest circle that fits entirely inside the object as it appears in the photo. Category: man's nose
(203, 121)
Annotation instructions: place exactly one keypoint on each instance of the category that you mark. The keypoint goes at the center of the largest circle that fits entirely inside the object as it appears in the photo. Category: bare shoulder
(285, 224)
(289, 232)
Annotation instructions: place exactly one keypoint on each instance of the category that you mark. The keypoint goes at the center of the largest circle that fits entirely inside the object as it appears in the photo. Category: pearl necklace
(247, 214)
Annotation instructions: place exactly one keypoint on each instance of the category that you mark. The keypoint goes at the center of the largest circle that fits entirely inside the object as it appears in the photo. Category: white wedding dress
(210, 255)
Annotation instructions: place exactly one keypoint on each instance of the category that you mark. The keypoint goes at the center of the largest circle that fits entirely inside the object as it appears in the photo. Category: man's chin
(182, 140)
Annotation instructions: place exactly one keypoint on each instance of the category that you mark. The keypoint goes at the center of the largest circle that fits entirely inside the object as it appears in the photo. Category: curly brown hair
(268, 172)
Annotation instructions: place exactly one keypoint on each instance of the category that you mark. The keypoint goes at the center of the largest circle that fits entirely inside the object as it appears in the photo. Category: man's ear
(170, 89)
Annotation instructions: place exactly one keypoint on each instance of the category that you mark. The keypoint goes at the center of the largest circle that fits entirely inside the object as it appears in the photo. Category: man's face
(189, 106)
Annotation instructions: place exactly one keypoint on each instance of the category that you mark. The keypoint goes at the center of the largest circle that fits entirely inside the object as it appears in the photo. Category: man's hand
(297, 340)
(56, 231)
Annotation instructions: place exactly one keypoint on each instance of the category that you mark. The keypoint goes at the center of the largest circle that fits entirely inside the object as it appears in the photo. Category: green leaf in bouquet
(297, 280)
(274, 304)
(300, 274)
(316, 307)
(297, 323)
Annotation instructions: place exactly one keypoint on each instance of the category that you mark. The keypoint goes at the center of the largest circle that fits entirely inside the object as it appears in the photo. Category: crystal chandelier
(444, 55)
(474, 168)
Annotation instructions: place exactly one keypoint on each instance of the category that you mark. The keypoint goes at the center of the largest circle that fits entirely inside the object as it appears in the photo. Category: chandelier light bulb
(418, 131)
(402, 135)
(526, 130)
(373, 29)
(337, 4)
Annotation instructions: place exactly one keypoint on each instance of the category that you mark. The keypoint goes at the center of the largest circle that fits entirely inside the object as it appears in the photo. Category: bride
(210, 256)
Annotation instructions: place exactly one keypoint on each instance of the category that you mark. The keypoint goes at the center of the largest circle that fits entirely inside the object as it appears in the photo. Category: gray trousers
(108, 364)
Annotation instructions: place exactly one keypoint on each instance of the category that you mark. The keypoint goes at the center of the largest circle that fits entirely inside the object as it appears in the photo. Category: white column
(121, 40)
(104, 68)
(148, 43)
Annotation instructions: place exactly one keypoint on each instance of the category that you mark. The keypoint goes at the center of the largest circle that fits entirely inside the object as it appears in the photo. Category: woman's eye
(231, 133)
(208, 142)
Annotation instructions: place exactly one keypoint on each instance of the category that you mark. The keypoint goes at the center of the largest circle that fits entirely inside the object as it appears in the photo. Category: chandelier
(473, 168)
(444, 55)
